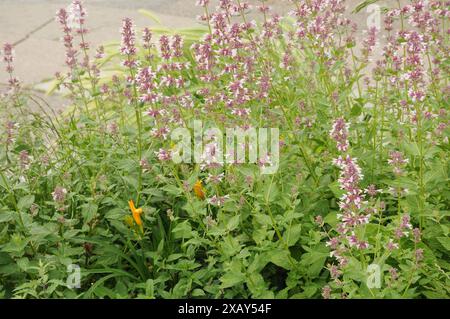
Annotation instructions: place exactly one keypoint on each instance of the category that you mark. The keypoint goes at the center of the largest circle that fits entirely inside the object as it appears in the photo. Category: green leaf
(314, 260)
(23, 263)
(335, 188)
(233, 222)
(445, 241)
(331, 219)
(182, 230)
(258, 263)
(172, 190)
(150, 288)
(198, 293)
(411, 148)
(115, 214)
(280, 257)
(89, 211)
(6, 216)
(271, 192)
(3, 183)
(293, 234)
(25, 202)
(231, 279)
(131, 181)
(356, 110)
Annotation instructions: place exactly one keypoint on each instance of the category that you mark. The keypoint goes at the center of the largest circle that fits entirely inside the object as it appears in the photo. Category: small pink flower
(113, 128)
(372, 191)
(215, 179)
(391, 245)
(163, 155)
(24, 158)
(339, 133)
(147, 38)
(418, 253)
(326, 292)
(394, 273)
(405, 222)
(59, 194)
(11, 129)
(100, 53)
(145, 165)
(334, 271)
(318, 220)
(218, 200)
(333, 243)
(399, 233)
(417, 235)
(128, 47)
(363, 245)
(397, 161)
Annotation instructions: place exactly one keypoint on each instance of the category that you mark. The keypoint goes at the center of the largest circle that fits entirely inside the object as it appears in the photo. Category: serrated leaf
(89, 211)
(445, 241)
(233, 222)
(293, 234)
(25, 202)
(231, 279)
(182, 230)
(280, 257)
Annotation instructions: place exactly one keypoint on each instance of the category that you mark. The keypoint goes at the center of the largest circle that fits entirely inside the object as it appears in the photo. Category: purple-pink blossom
(339, 133)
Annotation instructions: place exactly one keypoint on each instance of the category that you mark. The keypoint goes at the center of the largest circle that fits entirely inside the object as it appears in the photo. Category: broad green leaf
(233, 222)
(25, 202)
(182, 230)
(445, 241)
(89, 211)
(280, 257)
(292, 235)
(231, 279)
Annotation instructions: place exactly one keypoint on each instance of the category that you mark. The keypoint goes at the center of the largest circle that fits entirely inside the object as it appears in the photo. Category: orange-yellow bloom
(136, 213)
(199, 190)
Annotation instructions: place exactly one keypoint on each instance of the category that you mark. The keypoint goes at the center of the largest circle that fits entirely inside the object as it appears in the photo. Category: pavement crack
(43, 25)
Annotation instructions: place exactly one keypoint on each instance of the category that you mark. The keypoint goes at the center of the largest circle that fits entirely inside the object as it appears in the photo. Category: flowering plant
(357, 207)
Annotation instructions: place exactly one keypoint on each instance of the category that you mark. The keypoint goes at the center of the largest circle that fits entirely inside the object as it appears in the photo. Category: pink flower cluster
(128, 45)
(402, 229)
(351, 203)
(78, 16)
(8, 59)
(339, 133)
(71, 52)
(11, 129)
(397, 161)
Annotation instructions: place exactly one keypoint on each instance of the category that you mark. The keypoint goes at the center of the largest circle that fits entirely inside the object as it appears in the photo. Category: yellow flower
(136, 213)
(199, 190)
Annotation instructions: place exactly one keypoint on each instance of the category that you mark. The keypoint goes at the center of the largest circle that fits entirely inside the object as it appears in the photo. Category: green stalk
(139, 145)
